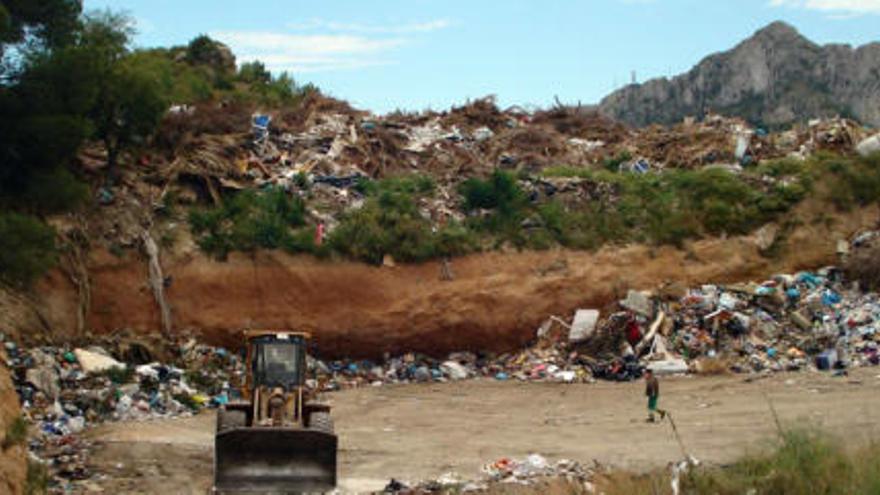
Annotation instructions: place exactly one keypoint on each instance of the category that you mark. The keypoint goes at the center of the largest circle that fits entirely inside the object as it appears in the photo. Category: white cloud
(415, 27)
(837, 8)
(271, 42)
(318, 45)
(300, 53)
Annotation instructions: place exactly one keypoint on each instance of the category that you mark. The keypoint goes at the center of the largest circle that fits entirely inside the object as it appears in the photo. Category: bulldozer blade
(274, 460)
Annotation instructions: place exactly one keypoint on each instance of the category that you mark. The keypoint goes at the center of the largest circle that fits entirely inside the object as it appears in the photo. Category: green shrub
(387, 224)
(613, 163)
(785, 167)
(248, 221)
(499, 192)
(670, 207)
(54, 191)
(16, 433)
(852, 181)
(27, 248)
(455, 239)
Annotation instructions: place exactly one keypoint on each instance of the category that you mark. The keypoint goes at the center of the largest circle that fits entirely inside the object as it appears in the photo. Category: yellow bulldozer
(276, 439)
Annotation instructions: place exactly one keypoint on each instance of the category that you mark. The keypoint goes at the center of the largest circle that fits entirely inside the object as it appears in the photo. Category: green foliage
(41, 129)
(785, 167)
(16, 433)
(37, 481)
(455, 239)
(27, 248)
(281, 90)
(586, 228)
(416, 184)
(805, 462)
(499, 192)
(254, 72)
(851, 181)
(674, 206)
(248, 221)
(131, 94)
(509, 207)
(613, 163)
(203, 50)
(389, 223)
(52, 22)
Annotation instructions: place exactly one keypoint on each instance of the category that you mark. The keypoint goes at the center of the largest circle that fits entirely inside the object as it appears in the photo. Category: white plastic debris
(454, 370)
(583, 325)
(92, 362)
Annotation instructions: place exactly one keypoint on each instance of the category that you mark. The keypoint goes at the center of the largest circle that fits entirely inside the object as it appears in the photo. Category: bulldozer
(277, 438)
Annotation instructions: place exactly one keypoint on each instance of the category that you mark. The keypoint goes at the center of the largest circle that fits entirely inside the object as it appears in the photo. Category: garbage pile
(322, 150)
(528, 471)
(789, 322)
(65, 390)
(547, 361)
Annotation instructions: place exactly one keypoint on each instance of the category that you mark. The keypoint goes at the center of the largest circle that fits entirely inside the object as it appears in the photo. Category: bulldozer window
(277, 364)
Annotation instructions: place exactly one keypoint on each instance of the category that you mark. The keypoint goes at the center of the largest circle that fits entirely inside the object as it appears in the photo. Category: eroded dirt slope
(495, 302)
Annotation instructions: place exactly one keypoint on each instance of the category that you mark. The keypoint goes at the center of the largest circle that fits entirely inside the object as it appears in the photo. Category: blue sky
(416, 54)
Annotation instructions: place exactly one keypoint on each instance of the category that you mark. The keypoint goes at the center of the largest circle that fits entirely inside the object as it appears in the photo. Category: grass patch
(852, 182)
(37, 482)
(414, 184)
(803, 462)
(16, 433)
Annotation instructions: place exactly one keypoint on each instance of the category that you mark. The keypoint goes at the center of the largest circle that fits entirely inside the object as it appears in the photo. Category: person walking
(652, 390)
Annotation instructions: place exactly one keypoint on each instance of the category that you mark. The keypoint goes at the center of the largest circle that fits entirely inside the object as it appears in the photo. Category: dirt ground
(422, 431)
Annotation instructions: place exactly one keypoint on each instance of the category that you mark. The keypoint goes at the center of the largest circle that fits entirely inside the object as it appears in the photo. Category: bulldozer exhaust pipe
(274, 460)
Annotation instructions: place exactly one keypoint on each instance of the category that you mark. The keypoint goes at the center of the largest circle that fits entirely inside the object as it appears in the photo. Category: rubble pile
(64, 390)
(528, 471)
(816, 320)
(321, 150)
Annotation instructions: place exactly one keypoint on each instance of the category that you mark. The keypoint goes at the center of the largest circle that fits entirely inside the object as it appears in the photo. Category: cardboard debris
(584, 324)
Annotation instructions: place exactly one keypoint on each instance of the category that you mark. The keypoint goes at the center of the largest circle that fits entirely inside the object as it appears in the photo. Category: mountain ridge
(775, 77)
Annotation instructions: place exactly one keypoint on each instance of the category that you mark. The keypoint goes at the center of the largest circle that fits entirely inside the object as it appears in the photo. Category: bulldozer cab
(276, 360)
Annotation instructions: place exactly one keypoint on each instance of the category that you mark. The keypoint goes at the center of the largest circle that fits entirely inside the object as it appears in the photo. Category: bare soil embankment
(495, 302)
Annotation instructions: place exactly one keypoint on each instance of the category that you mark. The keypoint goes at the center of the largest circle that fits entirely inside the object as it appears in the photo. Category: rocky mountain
(774, 78)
